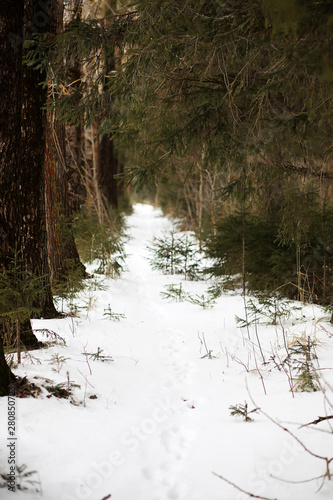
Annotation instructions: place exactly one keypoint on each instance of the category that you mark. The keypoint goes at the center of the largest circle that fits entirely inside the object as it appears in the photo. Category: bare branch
(317, 421)
(252, 495)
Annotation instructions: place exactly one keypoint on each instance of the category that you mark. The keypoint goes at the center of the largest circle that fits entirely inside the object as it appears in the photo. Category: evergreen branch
(304, 171)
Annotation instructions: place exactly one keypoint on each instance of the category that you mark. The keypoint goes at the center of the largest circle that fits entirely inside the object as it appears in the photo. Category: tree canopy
(226, 107)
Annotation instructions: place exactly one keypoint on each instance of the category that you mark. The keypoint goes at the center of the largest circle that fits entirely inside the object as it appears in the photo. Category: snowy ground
(155, 423)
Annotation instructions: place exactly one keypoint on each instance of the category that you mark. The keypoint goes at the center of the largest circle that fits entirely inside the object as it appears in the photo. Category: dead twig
(317, 421)
(252, 495)
(315, 455)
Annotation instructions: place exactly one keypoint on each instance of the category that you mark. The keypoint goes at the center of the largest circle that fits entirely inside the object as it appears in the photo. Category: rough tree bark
(74, 135)
(11, 15)
(22, 146)
(109, 166)
(32, 163)
(62, 251)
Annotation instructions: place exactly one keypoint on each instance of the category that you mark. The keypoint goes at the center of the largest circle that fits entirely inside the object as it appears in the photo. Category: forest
(218, 112)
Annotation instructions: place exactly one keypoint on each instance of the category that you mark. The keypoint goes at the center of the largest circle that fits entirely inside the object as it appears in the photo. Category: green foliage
(68, 288)
(300, 358)
(216, 289)
(266, 309)
(299, 208)
(166, 256)
(77, 102)
(174, 292)
(265, 260)
(64, 390)
(98, 356)
(307, 379)
(227, 107)
(204, 301)
(58, 361)
(271, 253)
(19, 291)
(111, 315)
(100, 241)
(177, 293)
(284, 15)
(25, 480)
(203, 343)
(242, 411)
(175, 254)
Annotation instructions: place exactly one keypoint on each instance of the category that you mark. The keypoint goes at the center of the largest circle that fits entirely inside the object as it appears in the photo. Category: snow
(159, 422)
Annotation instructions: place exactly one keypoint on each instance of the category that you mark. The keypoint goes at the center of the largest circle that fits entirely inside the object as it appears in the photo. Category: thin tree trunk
(74, 135)
(95, 174)
(243, 268)
(109, 165)
(62, 252)
(300, 290)
(5, 374)
(200, 203)
(108, 168)
(74, 161)
(18, 340)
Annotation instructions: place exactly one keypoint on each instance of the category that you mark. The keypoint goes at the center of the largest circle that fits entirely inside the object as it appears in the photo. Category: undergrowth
(102, 242)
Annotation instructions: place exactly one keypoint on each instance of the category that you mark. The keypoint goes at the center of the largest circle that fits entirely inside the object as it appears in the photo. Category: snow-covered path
(154, 423)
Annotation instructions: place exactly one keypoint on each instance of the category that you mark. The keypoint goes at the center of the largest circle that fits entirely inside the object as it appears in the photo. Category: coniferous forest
(222, 110)
(217, 112)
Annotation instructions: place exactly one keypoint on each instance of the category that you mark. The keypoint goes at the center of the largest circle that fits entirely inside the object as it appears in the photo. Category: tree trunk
(108, 167)
(10, 125)
(109, 164)
(200, 203)
(5, 374)
(74, 135)
(54, 240)
(31, 176)
(22, 138)
(62, 252)
(11, 15)
(74, 162)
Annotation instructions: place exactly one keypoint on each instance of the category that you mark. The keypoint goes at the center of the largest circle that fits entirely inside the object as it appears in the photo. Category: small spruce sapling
(19, 292)
(206, 302)
(242, 411)
(166, 257)
(174, 292)
(111, 315)
(98, 356)
(63, 390)
(175, 254)
(59, 361)
(67, 289)
(265, 310)
(300, 358)
(102, 242)
(203, 343)
(28, 481)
